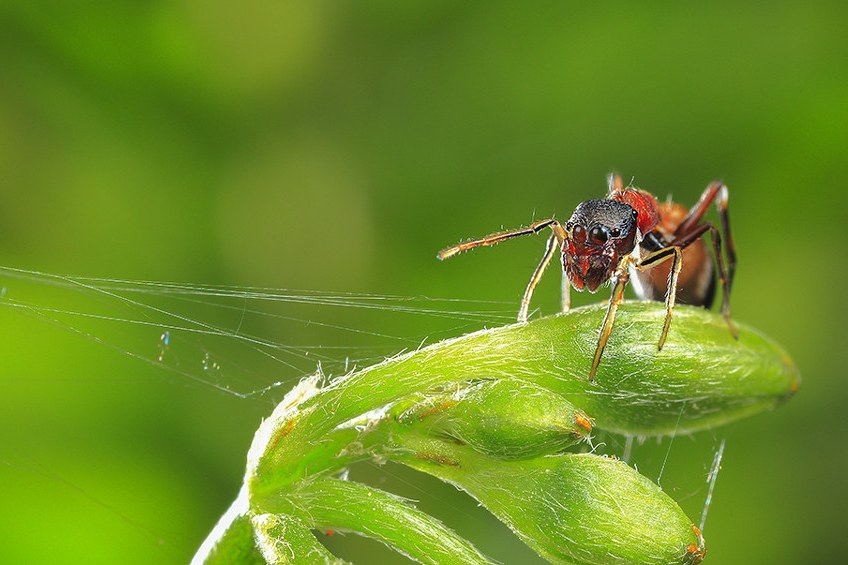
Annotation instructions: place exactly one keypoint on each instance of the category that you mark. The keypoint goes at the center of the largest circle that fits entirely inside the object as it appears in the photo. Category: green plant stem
(347, 506)
(286, 540)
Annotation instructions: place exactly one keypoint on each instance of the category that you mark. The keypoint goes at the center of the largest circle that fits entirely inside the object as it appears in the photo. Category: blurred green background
(338, 146)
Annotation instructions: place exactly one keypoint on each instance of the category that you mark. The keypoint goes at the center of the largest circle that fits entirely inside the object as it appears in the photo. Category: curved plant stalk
(285, 540)
(326, 503)
(486, 411)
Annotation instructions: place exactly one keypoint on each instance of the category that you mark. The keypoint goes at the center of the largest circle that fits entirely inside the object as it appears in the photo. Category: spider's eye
(579, 233)
(615, 233)
(599, 235)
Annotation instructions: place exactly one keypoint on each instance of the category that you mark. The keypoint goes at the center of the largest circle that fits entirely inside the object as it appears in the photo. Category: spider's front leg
(554, 242)
(537, 275)
(496, 238)
(622, 277)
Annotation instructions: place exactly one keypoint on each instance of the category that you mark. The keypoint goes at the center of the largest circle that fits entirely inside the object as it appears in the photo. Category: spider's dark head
(600, 234)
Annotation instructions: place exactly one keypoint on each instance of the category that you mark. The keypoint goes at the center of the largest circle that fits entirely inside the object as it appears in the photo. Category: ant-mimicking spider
(628, 234)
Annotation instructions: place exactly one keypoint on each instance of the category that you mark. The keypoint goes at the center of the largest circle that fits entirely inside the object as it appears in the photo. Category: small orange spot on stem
(330, 532)
(436, 458)
(436, 409)
(284, 431)
(287, 427)
(697, 549)
(583, 421)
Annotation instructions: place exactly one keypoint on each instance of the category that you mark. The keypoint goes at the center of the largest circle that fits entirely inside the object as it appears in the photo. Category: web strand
(711, 480)
(198, 327)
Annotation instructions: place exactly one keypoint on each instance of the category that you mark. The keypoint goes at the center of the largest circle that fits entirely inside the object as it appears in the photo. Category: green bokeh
(337, 147)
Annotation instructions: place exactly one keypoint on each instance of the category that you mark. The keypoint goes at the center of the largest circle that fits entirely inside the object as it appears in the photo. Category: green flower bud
(581, 509)
(507, 419)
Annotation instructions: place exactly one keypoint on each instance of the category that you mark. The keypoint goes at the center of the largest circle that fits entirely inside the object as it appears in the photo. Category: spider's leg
(537, 275)
(498, 237)
(609, 318)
